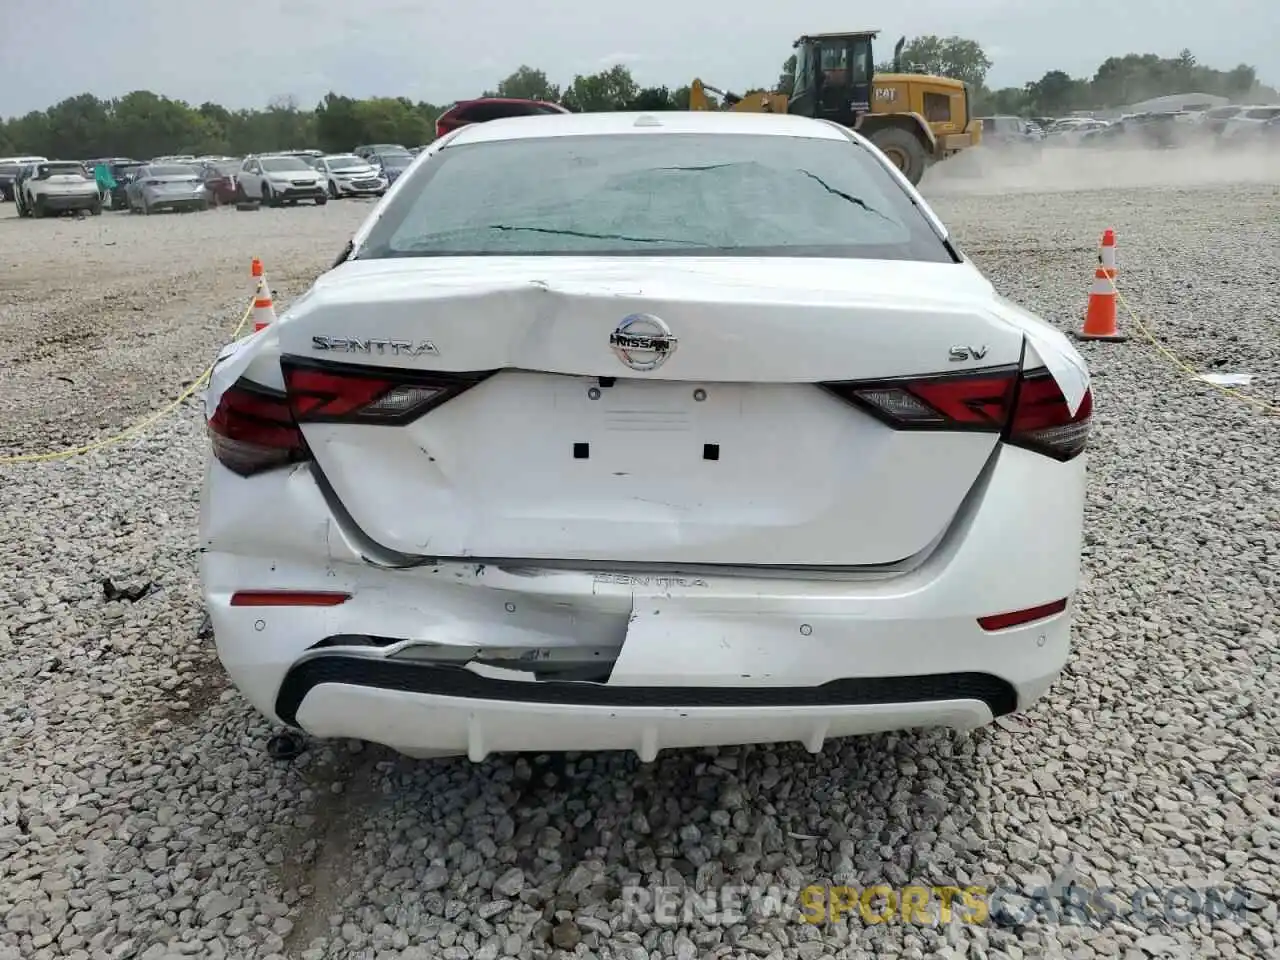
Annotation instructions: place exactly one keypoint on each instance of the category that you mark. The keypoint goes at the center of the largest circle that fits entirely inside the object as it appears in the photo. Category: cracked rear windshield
(655, 194)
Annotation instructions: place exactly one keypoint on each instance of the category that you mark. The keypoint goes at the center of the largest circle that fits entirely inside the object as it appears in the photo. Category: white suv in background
(56, 186)
(280, 179)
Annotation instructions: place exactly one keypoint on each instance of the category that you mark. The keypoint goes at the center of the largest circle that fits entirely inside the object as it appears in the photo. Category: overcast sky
(241, 53)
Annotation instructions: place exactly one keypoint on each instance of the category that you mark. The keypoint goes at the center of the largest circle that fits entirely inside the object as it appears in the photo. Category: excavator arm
(698, 96)
(751, 103)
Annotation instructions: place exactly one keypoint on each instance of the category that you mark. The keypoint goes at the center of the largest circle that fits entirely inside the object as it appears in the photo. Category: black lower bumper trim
(449, 681)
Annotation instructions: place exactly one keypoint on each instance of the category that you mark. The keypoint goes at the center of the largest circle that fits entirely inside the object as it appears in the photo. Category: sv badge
(960, 353)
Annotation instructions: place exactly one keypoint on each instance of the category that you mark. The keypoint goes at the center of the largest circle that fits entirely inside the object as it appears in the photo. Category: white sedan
(626, 431)
(347, 175)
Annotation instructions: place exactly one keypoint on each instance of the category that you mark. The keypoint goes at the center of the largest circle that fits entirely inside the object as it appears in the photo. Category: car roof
(673, 121)
(523, 101)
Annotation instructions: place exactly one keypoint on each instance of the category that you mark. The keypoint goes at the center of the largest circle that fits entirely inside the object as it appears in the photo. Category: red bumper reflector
(1020, 618)
(287, 598)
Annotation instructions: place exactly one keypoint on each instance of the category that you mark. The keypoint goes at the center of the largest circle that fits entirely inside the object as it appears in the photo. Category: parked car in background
(1164, 129)
(1012, 138)
(92, 165)
(166, 186)
(1009, 132)
(219, 178)
(1071, 132)
(9, 168)
(347, 175)
(56, 186)
(391, 164)
(1265, 133)
(1214, 120)
(369, 149)
(1245, 122)
(659, 574)
(275, 179)
(484, 109)
(19, 178)
(8, 173)
(123, 174)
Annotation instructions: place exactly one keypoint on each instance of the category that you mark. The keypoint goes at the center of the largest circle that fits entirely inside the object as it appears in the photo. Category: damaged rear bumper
(429, 709)
(456, 657)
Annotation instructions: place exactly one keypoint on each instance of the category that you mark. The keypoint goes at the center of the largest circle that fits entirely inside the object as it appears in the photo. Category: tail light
(1042, 421)
(1027, 408)
(346, 393)
(441, 129)
(253, 430)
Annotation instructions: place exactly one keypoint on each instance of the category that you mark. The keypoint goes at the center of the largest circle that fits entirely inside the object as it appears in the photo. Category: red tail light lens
(253, 430)
(1020, 618)
(1043, 423)
(347, 393)
(288, 598)
(979, 401)
(1027, 408)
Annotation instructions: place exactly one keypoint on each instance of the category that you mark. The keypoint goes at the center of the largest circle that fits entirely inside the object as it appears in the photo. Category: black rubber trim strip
(447, 681)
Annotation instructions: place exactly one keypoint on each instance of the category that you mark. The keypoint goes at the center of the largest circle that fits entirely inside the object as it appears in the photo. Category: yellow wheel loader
(915, 120)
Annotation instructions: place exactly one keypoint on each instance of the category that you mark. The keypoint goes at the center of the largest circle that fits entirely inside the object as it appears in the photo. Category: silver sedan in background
(166, 186)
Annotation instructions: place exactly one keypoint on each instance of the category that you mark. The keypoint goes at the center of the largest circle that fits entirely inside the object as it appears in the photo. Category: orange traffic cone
(255, 269)
(264, 311)
(1100, 317)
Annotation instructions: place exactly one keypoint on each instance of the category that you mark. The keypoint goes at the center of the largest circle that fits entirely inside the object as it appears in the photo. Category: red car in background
(219, 178)
(491, 108)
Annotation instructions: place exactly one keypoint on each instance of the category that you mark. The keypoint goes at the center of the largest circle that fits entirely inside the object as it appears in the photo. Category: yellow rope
(137, 427)
(1181, 364)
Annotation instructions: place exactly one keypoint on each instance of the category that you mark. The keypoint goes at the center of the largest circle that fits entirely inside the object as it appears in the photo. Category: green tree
(1055, 94)
(144, 124)
(387, 120)
(954, 57)
(652, 98)
(77, 122)
(1008, 101)
(337, 127)
(610, 89)
(526, 83)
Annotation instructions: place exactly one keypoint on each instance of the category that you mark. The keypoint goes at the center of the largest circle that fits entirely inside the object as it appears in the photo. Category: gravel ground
(141, 817)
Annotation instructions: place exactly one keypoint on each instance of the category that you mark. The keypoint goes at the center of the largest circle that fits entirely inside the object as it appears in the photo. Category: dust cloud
(985, 170)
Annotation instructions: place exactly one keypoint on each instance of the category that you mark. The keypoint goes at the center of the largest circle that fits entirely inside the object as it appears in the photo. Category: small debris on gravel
(129, 594)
